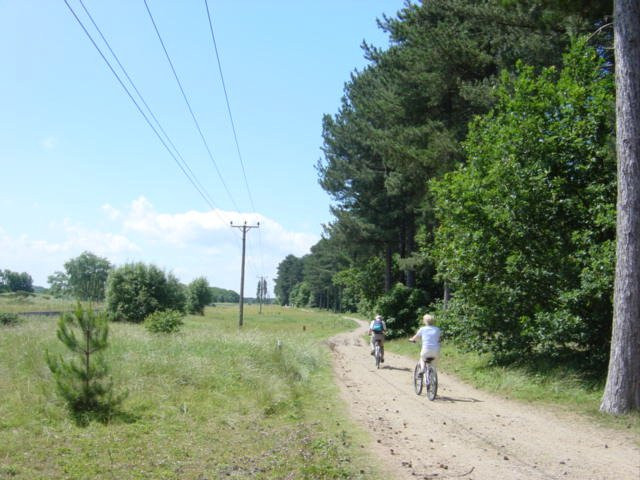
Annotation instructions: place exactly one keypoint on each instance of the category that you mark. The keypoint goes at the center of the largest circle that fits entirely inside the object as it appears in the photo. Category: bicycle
(377, 353)
(428, 378)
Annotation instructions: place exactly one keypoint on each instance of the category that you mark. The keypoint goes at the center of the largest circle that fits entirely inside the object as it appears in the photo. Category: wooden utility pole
(244, 229)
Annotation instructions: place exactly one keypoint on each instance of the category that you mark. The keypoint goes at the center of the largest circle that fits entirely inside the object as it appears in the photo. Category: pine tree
(622, 391)
(83, 381)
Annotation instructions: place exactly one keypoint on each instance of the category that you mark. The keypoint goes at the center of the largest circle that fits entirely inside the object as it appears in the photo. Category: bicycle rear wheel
(377, 354)
(417, 380)
(432, 382)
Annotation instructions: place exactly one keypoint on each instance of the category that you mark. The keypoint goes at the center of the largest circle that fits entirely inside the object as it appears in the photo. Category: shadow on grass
(113, 417)
(589, 373)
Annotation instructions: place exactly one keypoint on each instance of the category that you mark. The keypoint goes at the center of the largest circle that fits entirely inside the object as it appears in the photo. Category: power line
(233, 126)
(193, 116)
(133, 85)
(224, 88)
(193, 182)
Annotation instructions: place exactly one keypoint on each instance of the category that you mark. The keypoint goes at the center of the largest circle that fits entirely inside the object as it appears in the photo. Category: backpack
(378, 326)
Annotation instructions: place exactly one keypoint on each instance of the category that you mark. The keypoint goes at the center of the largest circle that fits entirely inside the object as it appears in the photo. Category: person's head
(428, 319)
(378, 317)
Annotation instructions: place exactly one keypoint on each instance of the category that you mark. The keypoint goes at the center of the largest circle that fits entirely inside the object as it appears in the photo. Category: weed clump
(8, 318)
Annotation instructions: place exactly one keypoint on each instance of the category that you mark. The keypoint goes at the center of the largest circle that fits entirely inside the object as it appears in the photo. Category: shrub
(8, 318)
(198, 296)
(167, 321)
(82, 381)
(136, 290)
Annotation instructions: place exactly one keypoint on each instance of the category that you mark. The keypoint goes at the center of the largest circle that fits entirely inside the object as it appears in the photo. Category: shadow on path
(454, 400)
(389, 367)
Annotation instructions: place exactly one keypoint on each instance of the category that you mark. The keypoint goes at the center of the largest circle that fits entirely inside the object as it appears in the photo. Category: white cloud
(190, 244)
(41, 257)
(112, 213)
(178, 229)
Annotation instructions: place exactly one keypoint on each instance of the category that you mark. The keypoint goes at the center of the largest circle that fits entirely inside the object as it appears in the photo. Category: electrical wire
(193, 116)
(233, 126)
(226, 96)
(133, 85)
(185, 169)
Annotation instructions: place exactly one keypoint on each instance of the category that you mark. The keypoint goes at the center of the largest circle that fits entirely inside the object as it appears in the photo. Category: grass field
(11, 302)
(209, 402)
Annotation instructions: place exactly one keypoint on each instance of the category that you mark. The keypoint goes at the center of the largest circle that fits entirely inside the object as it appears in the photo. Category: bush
(401, 308)
(198, 296)
(167, 321)
(9, 318)
(135, 290)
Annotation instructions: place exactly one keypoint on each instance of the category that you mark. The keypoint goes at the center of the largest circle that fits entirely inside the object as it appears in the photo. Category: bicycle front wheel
(417, 380)
(432, 383)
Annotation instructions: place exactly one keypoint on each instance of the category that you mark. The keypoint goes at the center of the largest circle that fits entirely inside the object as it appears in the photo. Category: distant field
(20, 302)
(210, 402)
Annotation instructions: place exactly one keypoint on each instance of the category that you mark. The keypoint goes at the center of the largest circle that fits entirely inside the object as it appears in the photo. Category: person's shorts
(377, 336)
(424, 354)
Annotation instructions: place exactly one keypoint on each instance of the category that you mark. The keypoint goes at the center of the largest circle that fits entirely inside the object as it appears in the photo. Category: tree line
(11, 281)
(472, 170)
(131, 292)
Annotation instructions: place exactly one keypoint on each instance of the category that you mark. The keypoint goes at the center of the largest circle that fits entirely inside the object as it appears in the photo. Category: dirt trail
(469, 434)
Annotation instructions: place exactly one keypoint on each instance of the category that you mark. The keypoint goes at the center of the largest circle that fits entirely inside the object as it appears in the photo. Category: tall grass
(210, 402)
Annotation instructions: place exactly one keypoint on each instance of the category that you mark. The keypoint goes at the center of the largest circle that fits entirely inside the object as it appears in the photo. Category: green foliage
(300, 295)
(8, 318)
(401, 308)
(318, 270)
(221, 295)
(15, 282)
(361, 286)
(166, 321)
(83, 381)
(59, 284)
(528, 224)
(289, 274)
(198, 296)
(136, 290)
(86, 276)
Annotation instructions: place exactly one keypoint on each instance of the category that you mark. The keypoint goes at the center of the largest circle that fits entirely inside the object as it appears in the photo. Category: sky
(81, 170)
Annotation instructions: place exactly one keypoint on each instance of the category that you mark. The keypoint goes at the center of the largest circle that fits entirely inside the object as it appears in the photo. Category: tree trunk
(388, 264)
(622, 391)
(410, 273)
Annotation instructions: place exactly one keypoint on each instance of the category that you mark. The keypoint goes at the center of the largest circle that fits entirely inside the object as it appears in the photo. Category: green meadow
(212, 401)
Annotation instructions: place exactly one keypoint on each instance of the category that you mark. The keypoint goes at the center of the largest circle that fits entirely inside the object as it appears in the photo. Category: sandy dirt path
(469, 434)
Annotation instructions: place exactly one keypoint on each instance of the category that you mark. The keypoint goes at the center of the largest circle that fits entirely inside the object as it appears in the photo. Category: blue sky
(81, 170)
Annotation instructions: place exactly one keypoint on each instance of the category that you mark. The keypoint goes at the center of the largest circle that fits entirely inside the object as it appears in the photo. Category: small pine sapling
(83, 380)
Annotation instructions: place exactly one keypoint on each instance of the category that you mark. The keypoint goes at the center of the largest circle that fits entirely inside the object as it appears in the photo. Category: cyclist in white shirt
(430, 335)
